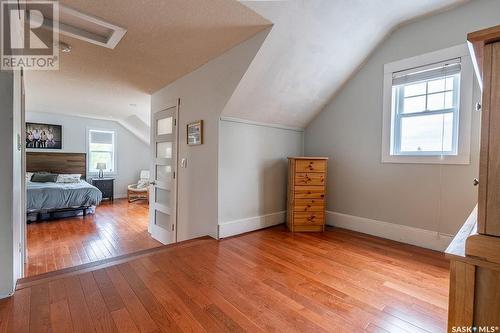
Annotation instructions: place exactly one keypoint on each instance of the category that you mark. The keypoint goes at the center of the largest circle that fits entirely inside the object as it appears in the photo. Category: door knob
(152, 183)
(475, 182)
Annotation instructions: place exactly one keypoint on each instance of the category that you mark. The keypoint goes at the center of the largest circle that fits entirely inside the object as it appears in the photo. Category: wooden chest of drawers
(306, 193)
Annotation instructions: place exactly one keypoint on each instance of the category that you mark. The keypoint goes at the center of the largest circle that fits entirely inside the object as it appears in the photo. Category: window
(101, 149)
(427, 107)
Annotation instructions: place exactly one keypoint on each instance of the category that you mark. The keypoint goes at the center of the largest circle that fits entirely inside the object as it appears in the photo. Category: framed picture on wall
(43, 136)
(195, 133)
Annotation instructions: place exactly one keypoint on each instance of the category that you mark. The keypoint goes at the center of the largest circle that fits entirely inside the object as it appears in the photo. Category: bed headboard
(57, 162)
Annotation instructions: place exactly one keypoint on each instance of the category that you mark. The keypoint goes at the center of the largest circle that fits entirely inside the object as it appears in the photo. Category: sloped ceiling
(165, 40)
(313, 48)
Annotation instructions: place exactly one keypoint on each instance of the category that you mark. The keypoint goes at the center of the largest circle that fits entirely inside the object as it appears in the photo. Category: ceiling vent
(88, 28)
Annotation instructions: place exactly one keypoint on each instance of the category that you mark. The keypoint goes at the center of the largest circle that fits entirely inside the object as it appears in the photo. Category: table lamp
(101, 167)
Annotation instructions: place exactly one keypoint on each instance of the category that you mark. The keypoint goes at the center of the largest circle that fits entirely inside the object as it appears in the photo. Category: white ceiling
(313, 48)
(165, 40)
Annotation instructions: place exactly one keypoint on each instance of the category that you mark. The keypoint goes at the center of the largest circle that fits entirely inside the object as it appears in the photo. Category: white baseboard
(236, 227)
(3, 295)
(420, 237)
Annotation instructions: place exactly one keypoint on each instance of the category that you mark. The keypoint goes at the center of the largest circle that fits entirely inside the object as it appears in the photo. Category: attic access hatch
(81, 26)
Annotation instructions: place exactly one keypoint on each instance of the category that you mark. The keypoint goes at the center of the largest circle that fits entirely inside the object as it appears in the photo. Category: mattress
(43, 197)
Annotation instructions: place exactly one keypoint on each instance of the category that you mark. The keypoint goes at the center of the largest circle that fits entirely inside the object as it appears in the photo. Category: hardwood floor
(115, 229)
(265, 281)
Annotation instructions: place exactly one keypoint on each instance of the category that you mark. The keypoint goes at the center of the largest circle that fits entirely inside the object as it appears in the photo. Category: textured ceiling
(313, 48)
(165, 40)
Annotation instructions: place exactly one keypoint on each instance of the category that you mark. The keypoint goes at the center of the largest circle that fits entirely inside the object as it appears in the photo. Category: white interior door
(163, 174)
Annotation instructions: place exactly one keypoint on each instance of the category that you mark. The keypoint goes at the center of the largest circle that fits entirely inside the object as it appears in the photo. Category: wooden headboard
(57, 162)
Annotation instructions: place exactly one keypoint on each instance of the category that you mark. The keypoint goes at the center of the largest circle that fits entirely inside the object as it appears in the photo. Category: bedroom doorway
(163, 196)
(79, 215)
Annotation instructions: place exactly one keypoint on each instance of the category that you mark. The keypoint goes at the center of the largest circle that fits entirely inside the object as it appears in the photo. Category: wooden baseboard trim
(93, 266)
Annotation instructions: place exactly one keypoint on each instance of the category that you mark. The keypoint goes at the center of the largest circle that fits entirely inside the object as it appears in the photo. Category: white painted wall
(6, 179)
(132, 154)
(203, 94)
(349, 131)
(253, 172)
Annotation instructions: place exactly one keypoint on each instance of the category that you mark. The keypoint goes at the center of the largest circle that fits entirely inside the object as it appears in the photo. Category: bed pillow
(28, 176)
(68, 178)
(44, 177)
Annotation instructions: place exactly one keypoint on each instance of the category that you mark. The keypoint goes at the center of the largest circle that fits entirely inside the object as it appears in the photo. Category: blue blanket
(49, 196)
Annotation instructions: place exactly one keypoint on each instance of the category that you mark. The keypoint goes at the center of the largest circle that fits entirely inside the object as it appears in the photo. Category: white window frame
(107, 130)
(462, 155)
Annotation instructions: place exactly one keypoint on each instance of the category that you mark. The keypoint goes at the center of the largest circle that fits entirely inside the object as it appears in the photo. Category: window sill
(444, 159)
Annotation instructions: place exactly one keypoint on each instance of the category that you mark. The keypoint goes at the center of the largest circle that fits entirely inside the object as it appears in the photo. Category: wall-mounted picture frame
(195, 133)
(43, 136)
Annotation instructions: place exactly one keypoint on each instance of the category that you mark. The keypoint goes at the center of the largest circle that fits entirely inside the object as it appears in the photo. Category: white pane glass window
(426, 111)
(101, 149)
(164, 126)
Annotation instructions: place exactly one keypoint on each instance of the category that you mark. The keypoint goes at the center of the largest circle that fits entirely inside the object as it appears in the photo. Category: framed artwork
(195, 133)
(43, 136)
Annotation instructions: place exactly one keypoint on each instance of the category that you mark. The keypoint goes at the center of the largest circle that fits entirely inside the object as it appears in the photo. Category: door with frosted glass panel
(163, 194)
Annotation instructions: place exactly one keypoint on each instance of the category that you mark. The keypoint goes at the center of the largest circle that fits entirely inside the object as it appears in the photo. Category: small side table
(106, 186)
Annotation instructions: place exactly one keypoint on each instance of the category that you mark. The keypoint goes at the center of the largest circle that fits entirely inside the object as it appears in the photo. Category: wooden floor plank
(60, 317)
(266, 281)
(139, 314)
(102, 320)
(40, 309)
(80, 314)
(117, 228)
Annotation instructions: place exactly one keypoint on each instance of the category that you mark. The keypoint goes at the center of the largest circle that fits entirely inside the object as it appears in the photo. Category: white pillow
(142, 184)
(68, 178)
(28, 176)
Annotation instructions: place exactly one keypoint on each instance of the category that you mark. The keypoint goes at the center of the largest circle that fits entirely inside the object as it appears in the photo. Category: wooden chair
(140, 190)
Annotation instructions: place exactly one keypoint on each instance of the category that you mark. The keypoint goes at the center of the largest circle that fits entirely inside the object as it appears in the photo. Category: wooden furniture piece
(306, 193)
(57, 163)
(475, 251)
(106, 186)
(139, 190)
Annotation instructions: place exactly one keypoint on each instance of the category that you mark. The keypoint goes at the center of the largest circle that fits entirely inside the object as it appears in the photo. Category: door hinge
(20, 248)
(173, 227)
(175, 122)
(173, 174)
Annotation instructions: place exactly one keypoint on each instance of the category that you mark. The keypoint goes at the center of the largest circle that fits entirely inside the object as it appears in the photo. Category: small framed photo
(195, 133)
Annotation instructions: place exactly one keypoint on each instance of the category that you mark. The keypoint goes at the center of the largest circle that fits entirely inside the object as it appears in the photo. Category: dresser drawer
(309, 192)
(308, 218)
(310, 166)
(309, 178)
(309, 205)
(104, 185)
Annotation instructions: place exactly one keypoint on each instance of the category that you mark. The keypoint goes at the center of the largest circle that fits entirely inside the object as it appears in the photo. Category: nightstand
(106, 186)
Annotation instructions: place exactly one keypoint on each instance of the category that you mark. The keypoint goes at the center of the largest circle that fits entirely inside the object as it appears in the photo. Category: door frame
(152, 175)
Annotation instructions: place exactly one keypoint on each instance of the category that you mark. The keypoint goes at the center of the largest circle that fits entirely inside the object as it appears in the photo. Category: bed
(52, 199)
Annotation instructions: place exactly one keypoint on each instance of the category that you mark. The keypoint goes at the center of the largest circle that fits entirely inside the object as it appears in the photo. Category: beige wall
(430, 197)
(203, 94)
(253, 169)
(9, 176)
(132, 154)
